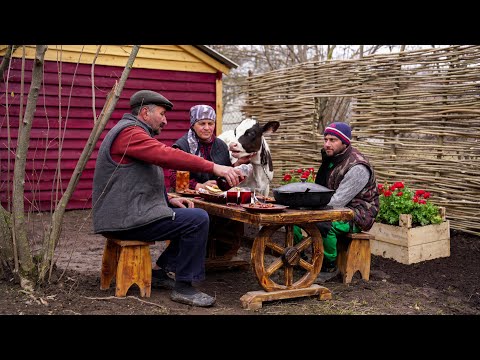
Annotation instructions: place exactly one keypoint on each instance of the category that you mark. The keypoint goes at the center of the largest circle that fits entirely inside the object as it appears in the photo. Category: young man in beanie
(200, 140)
(345, 170)
(130, 201)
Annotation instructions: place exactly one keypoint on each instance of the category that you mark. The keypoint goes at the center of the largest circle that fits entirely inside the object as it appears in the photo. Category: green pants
(337, 229)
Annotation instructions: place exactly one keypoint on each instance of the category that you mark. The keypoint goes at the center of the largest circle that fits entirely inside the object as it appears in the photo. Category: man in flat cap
(348, 172)
(130, 200)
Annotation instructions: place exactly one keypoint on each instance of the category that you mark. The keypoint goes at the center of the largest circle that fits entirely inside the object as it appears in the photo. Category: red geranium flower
(297, 175)
(406, 201)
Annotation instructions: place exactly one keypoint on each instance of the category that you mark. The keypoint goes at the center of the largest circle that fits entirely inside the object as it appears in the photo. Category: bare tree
(6, 59)
(16, 256)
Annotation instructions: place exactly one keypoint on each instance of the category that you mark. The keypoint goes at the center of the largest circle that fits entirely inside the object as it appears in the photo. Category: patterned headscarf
(201, 112)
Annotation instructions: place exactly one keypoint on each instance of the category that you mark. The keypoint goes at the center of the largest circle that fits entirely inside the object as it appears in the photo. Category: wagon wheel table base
(284, 269)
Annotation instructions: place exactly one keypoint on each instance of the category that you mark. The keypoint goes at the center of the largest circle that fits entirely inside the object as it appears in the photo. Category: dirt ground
(441, 286)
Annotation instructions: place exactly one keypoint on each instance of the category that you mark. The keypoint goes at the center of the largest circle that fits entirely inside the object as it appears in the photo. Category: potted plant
(409, 228)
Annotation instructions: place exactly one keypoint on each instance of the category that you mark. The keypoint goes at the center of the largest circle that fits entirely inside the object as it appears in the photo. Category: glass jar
(182, 180)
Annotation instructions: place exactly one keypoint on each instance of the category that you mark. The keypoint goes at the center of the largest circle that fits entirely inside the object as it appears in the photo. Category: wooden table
(283, 269)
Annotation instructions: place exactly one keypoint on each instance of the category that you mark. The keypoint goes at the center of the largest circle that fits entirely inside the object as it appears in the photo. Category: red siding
(184, 89)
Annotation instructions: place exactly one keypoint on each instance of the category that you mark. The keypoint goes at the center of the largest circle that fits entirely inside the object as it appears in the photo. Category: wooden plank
(110, 71)
(47, 165)
(289, 216)
(414, 244)
(206, 58)
(412, 254)
(166, 52)
(253, 300)
(82, 88)
(39, 154)
(403, 236)
(428, 233)
(118, 56)
(361, 235)
(219, 105)
(49, 176)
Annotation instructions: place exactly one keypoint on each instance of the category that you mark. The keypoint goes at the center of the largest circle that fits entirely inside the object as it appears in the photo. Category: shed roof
(224, 60)
(197, 58)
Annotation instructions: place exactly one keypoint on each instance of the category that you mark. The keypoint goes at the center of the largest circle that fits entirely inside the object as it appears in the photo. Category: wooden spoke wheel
(280, 264)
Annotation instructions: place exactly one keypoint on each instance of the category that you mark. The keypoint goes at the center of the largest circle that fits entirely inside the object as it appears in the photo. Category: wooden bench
(130, 261)
(354, 255)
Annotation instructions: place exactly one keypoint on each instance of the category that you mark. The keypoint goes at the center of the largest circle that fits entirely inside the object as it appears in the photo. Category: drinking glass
(182, 180)
(245, 196)
(233, 196)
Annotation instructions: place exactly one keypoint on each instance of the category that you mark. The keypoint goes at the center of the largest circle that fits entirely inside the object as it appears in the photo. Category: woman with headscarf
(200, 140)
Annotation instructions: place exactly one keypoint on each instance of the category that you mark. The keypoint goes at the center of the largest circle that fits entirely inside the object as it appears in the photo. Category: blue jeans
(188, 235)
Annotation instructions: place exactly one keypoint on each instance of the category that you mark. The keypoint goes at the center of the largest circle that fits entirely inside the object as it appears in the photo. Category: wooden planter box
(407, 244)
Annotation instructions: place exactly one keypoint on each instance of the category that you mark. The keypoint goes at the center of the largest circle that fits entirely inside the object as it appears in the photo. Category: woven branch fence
(415, 115)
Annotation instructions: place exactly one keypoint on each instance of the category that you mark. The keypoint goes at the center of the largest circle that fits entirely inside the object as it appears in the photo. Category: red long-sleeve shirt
(134, 142)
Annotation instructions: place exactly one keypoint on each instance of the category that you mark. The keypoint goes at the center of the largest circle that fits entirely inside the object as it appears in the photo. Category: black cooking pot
(303, 195)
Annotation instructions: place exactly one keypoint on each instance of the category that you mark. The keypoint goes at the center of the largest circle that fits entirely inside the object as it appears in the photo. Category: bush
(399, 199)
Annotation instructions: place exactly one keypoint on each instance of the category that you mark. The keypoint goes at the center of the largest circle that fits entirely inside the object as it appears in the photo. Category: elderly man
(348, 172)
(130, 201)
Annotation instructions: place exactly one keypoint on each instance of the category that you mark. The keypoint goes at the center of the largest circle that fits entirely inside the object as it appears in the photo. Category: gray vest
(126, 196)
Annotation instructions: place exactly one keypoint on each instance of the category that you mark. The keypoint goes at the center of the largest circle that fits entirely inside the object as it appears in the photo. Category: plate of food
(218, 197)
(213, 189)
(188, 193)
(263, 207)
(266, 199)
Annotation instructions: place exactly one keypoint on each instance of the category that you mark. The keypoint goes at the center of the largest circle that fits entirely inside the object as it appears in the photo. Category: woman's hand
(181, 202)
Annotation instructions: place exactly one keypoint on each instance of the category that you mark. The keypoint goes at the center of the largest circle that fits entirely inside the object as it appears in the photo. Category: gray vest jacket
(126, 196)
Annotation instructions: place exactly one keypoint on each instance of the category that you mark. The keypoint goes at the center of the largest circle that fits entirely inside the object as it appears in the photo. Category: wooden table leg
(279, 264)
(253, 300)
(286, 270)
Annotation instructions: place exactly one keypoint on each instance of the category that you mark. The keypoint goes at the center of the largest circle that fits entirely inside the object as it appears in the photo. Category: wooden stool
(130, 260)
(354, 255)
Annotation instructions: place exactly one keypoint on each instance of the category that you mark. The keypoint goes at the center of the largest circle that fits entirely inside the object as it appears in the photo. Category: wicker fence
(416, 115)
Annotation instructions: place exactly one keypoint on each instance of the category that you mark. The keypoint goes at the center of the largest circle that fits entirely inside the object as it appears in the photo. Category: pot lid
(300, 187)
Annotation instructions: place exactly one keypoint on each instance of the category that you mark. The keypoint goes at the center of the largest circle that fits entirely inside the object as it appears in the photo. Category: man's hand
(233, 176)
(181, 202)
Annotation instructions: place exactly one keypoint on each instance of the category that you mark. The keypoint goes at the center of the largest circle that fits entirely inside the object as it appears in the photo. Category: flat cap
(146, 97)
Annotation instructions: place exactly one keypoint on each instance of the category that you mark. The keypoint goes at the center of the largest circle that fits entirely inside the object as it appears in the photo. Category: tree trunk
(6, 59)
(26, 269)
(7, 264)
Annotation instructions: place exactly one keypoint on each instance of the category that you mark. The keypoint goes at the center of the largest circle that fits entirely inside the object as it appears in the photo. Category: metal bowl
(303, 195)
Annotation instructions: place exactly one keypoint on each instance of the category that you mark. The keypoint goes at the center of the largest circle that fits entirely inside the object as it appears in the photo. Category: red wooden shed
(186, 74)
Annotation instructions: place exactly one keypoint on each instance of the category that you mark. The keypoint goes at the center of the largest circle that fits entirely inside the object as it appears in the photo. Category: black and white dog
(247, 138)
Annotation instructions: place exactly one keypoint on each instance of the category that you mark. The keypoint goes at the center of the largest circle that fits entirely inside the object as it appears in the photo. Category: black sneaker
(160, 279)
(328, 266)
